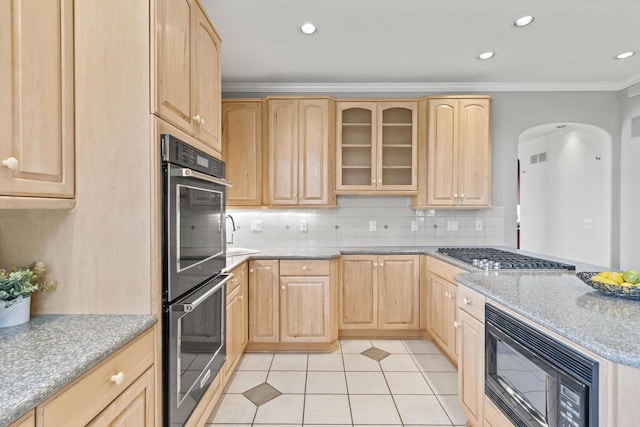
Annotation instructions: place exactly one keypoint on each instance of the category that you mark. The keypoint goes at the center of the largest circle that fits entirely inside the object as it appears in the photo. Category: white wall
(557, 195)
(348, 225)
(629, 184)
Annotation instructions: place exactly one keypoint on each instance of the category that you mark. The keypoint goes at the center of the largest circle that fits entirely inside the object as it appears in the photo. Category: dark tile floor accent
(375, 353)
(261, 394)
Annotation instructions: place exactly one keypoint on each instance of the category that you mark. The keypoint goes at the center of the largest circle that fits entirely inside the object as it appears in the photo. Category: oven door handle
(190, 173)
(189, 306)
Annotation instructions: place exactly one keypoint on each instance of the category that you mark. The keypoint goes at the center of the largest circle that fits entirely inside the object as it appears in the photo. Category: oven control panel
(572, 401)
(180, 153)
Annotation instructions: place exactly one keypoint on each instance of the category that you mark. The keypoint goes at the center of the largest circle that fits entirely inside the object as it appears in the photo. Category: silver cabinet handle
(462, 196)
(446, 294)
(379, 181)
(251, 271)
(196, 118)
(304, 268)
(284, 287)
(455, 196)
(382, 264)
(202, 121)
(456, 324)
(467, 301)
(375, 264)
(11, 162)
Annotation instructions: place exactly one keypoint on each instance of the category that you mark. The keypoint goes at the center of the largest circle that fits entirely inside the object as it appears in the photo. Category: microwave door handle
(199, 175)
(189, 306)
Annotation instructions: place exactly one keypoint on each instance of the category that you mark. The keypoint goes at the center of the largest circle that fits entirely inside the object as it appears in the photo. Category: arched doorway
(564, 191)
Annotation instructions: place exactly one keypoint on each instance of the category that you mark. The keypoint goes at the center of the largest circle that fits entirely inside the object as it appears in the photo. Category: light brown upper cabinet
(379, 292)
(377, 147)
(300, 145)
(188, 71)
(37, 104)
(242, 151)
(458, 154)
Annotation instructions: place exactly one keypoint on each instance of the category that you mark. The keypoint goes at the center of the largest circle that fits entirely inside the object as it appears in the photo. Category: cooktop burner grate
(506, 260)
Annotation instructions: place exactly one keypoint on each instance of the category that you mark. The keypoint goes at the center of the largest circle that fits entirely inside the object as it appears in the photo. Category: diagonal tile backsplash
(349, 225)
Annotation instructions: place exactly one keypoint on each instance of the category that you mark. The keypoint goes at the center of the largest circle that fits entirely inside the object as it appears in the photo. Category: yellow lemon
(604, 274)
(627, 284)
(603, 280)
(616, 277)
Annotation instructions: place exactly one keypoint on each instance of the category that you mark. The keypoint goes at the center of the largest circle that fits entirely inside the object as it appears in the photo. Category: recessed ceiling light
(625, 55)
(523, 21)
(308, 28)
(486, 55)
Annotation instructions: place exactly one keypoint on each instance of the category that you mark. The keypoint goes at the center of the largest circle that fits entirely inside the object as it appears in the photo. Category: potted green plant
(16, 288)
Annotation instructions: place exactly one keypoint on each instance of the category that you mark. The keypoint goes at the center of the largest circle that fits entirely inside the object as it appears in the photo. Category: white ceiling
(421, 44)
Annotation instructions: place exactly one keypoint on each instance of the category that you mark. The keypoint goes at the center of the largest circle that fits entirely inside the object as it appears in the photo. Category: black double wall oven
(194, 290)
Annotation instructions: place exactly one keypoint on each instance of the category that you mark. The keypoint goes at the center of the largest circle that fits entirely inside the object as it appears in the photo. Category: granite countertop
(607, 326)
(42, 356)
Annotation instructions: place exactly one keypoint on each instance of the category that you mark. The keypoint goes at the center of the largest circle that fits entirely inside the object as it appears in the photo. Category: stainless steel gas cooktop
(496, 259)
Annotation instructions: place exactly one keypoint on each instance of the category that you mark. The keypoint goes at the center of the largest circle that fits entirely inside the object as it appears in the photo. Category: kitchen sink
(233, 251)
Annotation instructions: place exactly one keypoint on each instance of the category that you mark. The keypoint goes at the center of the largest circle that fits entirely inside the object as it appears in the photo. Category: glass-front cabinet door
(397, 146)
(356, 153)
(377, 147)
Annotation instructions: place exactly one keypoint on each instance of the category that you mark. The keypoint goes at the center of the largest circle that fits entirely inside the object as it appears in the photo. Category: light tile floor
(411, 384)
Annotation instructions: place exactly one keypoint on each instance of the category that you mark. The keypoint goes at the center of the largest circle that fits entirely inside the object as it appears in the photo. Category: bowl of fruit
(625, 284)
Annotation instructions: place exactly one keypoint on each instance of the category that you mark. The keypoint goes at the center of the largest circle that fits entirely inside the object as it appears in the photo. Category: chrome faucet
(233, 228)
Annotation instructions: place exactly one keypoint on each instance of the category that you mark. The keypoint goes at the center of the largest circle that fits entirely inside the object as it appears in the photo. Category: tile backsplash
(349, 225)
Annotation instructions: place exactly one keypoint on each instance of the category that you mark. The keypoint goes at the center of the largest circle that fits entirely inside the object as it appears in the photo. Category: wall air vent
(633, 91)
(542, 157)
(533, 159)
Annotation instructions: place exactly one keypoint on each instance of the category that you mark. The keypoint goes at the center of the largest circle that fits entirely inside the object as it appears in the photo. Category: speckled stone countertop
(42, 356)
(562, 303)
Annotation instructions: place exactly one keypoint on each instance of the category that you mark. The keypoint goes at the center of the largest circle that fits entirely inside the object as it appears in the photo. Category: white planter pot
(16, 313)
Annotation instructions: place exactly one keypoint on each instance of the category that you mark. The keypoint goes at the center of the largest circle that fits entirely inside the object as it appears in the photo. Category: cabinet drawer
(304, 268)
(80, 402)
(443, 269)
(471, 302)
(238, 275)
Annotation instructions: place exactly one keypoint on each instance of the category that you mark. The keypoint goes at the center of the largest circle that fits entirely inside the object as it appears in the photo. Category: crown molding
(630, 81)
(429, 87)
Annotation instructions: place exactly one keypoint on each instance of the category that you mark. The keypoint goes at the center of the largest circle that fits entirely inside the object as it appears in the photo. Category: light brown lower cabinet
(471, 366)
(442, 313)
(237, 318)
(27, 420)
(379, 292)
(442, 297)
(120, 391)
(290, 301)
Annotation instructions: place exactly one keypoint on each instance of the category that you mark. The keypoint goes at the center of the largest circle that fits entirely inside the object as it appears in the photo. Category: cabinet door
(134, 407)
(474, 153)
(206, 81)
(313, 152)
(398, 288)
(304, 309)
(37, 101)
(471, 366)
(263, 301)
(173, 62)
(442, 156)
(283, 152)
(438, 298)
(356, 151)
(397, 151)
(359, 292)
(244, 304)
(233, 329)
(242, 152)
(452, 322)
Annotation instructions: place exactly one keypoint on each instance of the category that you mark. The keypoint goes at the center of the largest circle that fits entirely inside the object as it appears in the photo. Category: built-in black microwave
(535, 380)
